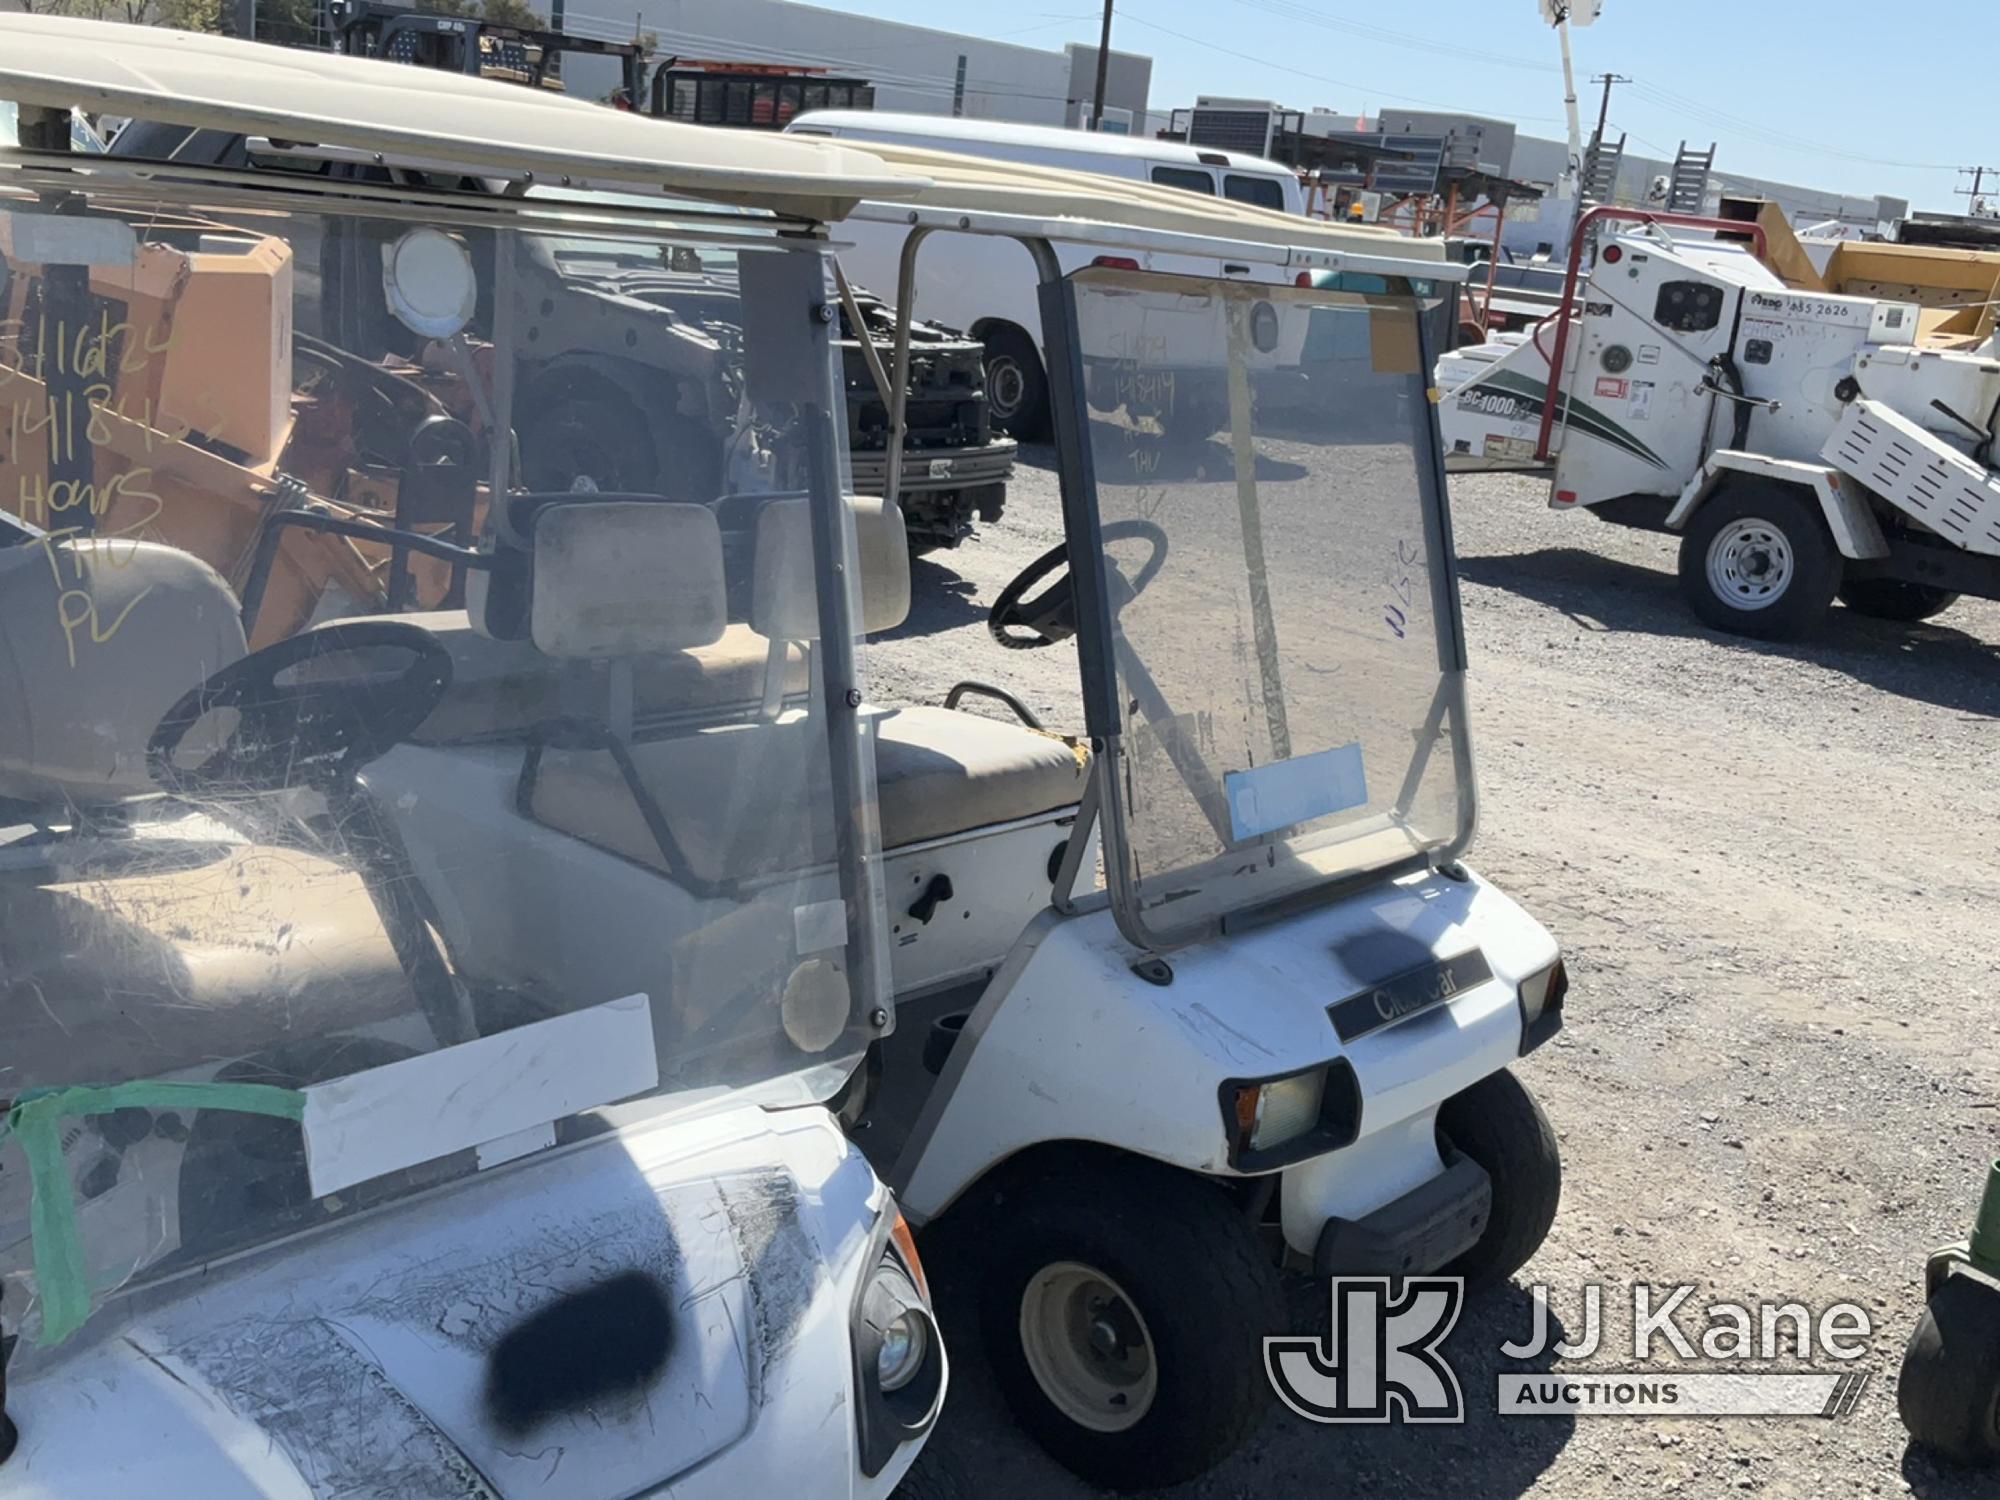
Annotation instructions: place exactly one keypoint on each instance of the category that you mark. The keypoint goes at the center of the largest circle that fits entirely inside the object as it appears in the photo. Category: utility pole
(1103, 70)
(1977, 192)
(1604, 109)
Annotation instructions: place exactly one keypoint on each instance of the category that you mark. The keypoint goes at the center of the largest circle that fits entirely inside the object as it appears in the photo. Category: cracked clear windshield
(1283, 607)
(417, 661)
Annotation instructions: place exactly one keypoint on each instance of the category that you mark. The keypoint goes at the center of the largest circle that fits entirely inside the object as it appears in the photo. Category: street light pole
(1103, 70)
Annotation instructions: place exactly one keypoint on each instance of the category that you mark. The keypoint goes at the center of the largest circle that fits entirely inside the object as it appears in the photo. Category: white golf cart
(299, 1196)
(1279, 1037)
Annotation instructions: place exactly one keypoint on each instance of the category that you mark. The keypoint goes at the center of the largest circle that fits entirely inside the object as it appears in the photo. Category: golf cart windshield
(1277, 580)
(436, 619)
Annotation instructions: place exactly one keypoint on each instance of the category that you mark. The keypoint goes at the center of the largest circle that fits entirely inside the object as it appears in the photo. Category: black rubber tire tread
(1498, 1124)
(1792, 511)
(938, 1474)
(1892, 599)
(1187, 1254)
(1949, 1391)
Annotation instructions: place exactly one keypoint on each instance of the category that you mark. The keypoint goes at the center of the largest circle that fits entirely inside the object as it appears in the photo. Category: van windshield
(1284, 614)
(421, 629)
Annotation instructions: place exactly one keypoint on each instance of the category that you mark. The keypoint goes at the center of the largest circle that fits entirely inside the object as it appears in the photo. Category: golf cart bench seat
(751, 797)
(942, 772)
(123, 974)
(939, 772)
(503, 688)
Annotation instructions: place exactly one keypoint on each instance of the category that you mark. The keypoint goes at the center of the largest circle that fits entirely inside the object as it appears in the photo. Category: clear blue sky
(1855, 97)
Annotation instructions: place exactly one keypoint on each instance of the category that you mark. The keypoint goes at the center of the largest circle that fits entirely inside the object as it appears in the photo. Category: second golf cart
(1280, 1034)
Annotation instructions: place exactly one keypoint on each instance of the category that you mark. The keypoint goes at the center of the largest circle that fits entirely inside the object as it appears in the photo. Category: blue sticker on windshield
(1294, 791)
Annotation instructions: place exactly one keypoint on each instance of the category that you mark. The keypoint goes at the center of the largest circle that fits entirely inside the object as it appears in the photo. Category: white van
(986, 286)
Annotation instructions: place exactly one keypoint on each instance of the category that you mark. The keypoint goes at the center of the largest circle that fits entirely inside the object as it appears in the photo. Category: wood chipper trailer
(1805, 445)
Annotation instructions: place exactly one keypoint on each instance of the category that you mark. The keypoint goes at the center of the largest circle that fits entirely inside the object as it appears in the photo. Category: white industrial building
(913, 68)
(1497, 148)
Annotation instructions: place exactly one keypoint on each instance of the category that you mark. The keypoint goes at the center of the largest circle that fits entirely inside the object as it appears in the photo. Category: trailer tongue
(1805, 444)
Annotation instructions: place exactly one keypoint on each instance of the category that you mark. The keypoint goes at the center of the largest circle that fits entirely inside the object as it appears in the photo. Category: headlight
(1281, 1111)
(1275, 1121)
(898, 1359)
(904, 1345)
(1542, 996)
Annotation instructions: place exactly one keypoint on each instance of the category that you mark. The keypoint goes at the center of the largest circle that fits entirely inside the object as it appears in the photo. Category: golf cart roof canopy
(181, 78)
(352, 104)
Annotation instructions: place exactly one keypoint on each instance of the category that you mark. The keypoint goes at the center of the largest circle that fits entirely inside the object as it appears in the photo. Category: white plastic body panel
(1067, 1043)
(525, 906)
(1919, 474)
(504, 887)
(1856, 531)
(1000, 881)
(1910, 379)
(1793, 348)
(354, 1360)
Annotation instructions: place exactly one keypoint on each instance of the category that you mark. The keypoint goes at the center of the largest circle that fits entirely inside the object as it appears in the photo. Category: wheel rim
(1088, 1347)
(1006, 385)
(1750, 564)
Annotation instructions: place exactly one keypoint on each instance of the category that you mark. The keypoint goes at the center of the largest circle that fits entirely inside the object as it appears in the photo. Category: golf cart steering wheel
(311, 731)
(1023, 624)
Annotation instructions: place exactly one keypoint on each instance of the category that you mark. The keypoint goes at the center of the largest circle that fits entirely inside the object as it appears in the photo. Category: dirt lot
(1773, 870)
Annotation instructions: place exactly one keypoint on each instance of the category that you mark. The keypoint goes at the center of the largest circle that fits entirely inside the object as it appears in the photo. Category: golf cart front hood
(593, 1323)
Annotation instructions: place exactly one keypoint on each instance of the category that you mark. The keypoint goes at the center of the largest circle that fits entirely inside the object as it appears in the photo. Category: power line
(1366, 90)
(1765, 135)
(1291, 10)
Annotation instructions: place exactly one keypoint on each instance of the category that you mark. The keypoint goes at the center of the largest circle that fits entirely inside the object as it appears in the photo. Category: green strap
(60, 1274)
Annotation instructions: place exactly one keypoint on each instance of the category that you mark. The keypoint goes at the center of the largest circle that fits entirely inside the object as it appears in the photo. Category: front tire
(1498, 1124)
(1891, 599)
(1949, 1392)
(1125, 1309)
(1759, 561)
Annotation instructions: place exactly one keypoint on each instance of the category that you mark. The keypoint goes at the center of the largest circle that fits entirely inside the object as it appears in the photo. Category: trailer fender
(1849, 517)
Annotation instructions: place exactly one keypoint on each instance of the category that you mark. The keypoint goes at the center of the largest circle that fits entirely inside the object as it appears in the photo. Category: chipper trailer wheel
(1498, 1124)
(1949, 1392)
(1892, 599)
(1124, 1307)
(1757, 560)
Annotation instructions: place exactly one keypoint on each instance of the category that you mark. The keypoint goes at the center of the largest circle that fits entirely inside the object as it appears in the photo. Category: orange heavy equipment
(160, 435)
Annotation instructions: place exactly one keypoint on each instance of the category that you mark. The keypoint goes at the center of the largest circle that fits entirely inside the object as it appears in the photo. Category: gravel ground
(1772, 869)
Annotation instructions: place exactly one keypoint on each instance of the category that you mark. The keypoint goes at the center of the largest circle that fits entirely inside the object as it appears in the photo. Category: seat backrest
(784, 599)
(98, 639)
(626, 578)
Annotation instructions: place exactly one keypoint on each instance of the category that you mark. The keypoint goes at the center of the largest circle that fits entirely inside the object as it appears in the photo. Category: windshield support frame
(1098, 641)
(1096, 636)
